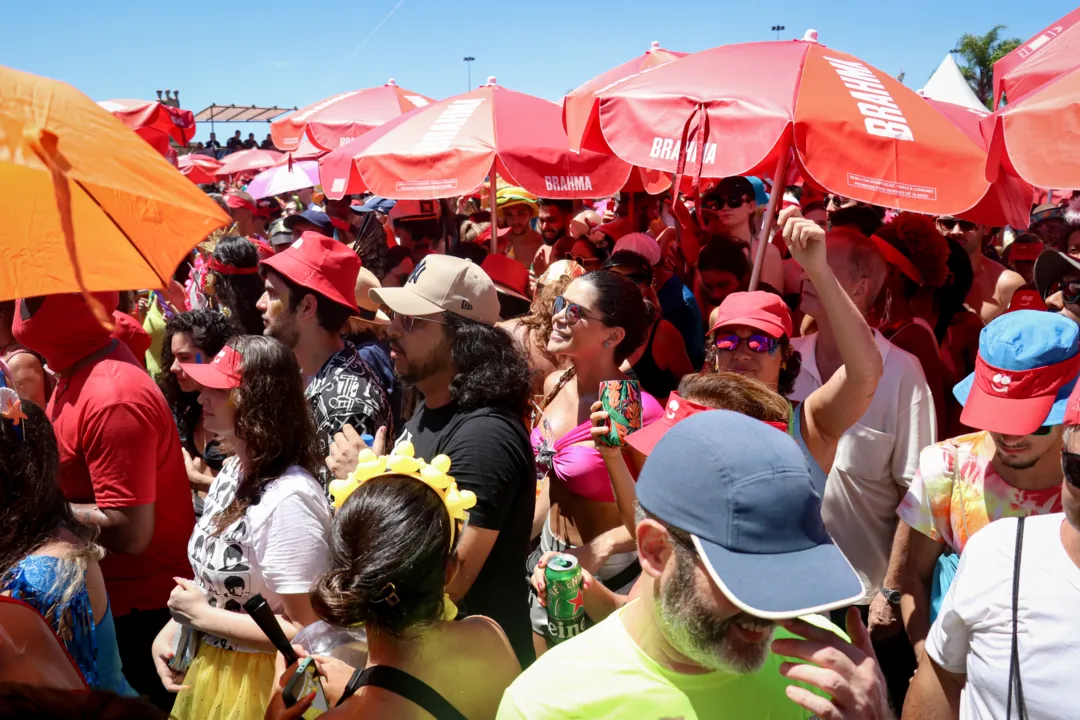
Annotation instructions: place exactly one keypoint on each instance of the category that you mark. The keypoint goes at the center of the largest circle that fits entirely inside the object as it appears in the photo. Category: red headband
(897, 258)
(235, 201)
(222, 269)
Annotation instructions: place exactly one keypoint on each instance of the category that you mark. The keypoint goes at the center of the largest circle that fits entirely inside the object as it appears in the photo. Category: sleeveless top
(817, 475)
(654, 380)
(93, 647)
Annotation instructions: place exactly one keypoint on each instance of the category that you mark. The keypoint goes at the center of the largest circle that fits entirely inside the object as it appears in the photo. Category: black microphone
(260, 612)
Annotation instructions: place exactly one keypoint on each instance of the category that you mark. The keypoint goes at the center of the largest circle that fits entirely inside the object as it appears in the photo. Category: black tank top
(657, 382)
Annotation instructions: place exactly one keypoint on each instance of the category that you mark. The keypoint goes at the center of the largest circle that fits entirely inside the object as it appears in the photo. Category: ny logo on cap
(417, 272)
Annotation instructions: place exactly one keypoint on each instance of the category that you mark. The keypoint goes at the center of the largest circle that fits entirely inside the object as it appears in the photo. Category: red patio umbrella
(452, 146)
(742, 110)
(1038, 137)
(154, 122)
(306, 150)
(1008, 200)
(200, 169)
(248, 161)
(340, 119)
(1052, 52)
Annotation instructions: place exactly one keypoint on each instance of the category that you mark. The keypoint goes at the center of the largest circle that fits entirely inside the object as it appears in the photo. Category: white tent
(947, 84)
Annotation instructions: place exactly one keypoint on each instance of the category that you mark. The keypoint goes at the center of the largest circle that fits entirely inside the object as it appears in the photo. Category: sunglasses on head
(729, 342)
(950, 223)
(717, 203)
(408, 322)
(574, 312)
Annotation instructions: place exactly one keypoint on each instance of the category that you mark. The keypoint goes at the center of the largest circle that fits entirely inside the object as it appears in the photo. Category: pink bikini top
(580, 467)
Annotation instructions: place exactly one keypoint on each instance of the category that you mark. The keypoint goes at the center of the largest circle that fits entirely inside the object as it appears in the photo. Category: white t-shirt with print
(973, 632)
(280, 546)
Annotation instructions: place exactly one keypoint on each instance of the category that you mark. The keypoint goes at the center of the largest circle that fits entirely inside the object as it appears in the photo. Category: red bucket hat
(224, 372)
(321, 264)
(760, 310)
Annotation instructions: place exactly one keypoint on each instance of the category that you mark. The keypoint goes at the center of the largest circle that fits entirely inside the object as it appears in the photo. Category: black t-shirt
(490, 455)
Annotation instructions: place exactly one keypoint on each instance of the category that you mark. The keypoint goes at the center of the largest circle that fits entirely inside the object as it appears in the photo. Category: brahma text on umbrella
(880, 112)
(668, 149)
(568, 183)
(448, 126)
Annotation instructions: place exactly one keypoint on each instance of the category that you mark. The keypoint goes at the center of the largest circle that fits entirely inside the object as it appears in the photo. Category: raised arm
(834, 407)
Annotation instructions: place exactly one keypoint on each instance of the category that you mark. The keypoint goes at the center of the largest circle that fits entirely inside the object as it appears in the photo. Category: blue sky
(294, 53)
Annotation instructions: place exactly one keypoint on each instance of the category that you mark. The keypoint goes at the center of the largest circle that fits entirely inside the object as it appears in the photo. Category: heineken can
(565, 600)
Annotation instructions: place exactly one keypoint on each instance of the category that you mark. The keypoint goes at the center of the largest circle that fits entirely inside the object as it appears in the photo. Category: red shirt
(119, 448)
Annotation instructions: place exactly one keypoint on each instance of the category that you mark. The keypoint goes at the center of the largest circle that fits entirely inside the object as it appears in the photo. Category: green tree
(979, 53)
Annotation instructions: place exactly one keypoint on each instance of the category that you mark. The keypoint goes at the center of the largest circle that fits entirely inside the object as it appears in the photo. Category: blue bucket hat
(1026, 368)
(743, 492)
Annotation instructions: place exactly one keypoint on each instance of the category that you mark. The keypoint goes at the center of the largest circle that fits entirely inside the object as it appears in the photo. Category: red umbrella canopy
(1008, 200)
(450, 147)
(1038, 137)
(340, 119)
(1052, 52)
(577, 102)
(200, 169)
(855, 130)
(152, 120)
(249, 161)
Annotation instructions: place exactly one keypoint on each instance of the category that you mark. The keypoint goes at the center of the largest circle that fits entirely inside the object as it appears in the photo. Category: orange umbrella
(92, 207)
(199, 169)
(249, 161)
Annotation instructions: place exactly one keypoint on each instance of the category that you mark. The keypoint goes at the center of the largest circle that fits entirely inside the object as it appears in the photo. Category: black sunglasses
(1070, 467)
(950, 223)
(1043, 431)
(717, 203)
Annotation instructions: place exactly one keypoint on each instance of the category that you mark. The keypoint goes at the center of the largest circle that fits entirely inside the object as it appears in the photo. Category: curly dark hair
(392, 535)
(789, 368)
(272, 419)
(238, 294)
(209, 330)
(492, 370)
(32, 507)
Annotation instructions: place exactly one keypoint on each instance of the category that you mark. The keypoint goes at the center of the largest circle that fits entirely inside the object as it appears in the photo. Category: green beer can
(565, 600)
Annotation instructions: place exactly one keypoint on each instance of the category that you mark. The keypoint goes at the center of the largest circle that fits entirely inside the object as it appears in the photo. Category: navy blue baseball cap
(374, 204)
(1026, 368)
(743, 492)
(316, 217)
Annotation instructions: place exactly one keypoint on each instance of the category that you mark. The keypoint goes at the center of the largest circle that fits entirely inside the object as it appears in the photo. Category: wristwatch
(893, 596)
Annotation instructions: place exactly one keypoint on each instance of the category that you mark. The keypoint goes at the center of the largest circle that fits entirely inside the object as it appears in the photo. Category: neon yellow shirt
(602, 673)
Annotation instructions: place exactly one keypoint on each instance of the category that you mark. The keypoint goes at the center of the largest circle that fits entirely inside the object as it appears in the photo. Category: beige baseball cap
(443, 283)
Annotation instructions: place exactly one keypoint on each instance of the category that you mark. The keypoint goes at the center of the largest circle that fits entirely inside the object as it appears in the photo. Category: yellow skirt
(226, 685)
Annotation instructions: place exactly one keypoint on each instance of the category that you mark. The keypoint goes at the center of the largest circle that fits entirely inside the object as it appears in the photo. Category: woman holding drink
(600, 320)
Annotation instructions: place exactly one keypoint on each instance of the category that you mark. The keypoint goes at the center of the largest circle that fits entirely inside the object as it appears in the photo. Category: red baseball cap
(224, 372)
(510, 276)
(677, 410)
(760, 310)
(322, 264)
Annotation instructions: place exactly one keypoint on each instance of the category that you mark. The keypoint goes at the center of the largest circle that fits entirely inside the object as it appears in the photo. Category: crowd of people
(851, 492)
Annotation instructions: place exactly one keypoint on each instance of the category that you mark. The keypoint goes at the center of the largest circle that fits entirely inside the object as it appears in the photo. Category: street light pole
(468, 64)
(777, 29)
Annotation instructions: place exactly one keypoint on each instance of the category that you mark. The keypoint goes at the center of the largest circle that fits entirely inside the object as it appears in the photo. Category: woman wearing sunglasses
(662, 361)
(600, 320)
(264, 530)
(752, 336)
